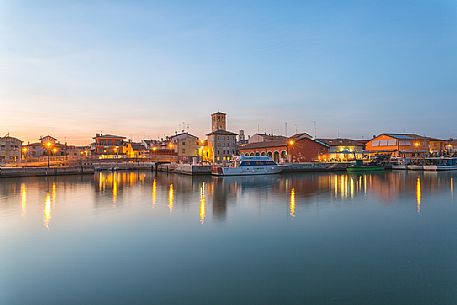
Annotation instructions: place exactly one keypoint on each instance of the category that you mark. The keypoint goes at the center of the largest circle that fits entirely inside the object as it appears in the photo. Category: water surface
(140, 238)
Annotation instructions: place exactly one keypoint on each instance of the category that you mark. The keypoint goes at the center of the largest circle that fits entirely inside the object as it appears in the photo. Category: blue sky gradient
(141, 68)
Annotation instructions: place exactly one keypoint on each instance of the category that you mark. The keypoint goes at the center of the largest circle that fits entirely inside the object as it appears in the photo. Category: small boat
(360, 167)
(399, 163)
(440, 164)
(414, 167)
(248, 165)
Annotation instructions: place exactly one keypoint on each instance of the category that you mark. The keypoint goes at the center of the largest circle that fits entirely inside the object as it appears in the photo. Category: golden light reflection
(47, 210)
(418, 195)
(23, 198)
(154, 191)
(352, 187)
(53, 192)
(115, 187)
(202, 204)
(171, 197)
(292, 203)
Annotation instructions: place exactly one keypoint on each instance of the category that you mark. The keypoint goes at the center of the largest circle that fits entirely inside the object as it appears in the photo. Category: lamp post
(290, 143)
(48, 145)
(24, 153)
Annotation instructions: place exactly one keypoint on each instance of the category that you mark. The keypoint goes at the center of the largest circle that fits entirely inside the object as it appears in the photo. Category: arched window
(276, 156)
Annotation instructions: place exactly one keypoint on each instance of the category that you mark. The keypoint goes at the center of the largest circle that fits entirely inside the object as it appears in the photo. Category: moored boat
(248, 165)
(360, 167)
(440, 164)
(398, 163)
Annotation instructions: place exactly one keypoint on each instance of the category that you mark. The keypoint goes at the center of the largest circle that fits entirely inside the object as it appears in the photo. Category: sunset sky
(142, 68)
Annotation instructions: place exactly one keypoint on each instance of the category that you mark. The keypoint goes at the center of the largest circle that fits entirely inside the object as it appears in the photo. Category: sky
(145, 69)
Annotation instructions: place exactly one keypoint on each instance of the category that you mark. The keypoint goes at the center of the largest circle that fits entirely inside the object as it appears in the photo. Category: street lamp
(24, 152)
(48, 145)
(290, 143)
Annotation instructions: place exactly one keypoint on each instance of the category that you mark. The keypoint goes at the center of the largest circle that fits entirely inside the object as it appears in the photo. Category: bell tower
(218, 121)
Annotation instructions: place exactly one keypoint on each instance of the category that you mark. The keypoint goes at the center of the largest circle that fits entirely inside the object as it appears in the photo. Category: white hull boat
(441, 164)
(248, 166)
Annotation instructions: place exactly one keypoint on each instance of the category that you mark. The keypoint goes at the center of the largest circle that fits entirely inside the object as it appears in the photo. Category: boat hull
(440, 168)
(353, 169)
(248, 171)
(415, 167)
(399, 167)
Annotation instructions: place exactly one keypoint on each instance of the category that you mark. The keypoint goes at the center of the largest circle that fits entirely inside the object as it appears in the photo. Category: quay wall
(44, 171)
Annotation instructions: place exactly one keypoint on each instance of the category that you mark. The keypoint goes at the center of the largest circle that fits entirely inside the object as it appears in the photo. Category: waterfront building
(263, 137)
(136, 150)
(302, 148)
(185, 145)
(297, 148)
(10, 149)
(108, 146)
(343, 150)
(399, 145)
(222, 144)
(49, 145)
(437, 147)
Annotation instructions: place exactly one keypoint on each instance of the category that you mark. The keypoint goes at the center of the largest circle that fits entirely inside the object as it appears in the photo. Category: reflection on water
(114, 189)
(168, 234)
(23, 199)
(154, 191)
(418, 195)
(202, 203)
(292, 202)
(47, 210)
(171, 197)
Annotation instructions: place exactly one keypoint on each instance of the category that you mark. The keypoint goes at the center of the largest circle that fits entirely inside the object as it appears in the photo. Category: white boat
(440, 164)
(414, 167)
(399, 163)
(246, 166)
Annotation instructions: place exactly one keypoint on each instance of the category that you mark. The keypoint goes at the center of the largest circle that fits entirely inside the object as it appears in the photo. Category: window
(392, 142)
(183, 143)
(404, 143)
(375, 143)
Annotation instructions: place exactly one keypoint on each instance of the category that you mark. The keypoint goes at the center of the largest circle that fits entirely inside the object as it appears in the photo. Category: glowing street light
(48, 146)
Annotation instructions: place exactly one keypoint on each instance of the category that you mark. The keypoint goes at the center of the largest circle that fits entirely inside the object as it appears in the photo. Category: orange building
(298, 148)
(399, 145)
(108, 146)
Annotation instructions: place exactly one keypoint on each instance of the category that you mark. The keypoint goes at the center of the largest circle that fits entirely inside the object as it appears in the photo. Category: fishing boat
(248, 165)
(360, 167)
(440, 164)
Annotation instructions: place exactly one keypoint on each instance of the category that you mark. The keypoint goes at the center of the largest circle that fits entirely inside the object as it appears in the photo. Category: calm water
(140, 238)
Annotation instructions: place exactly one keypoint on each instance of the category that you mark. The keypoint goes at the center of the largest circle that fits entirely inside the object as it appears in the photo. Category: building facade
(108, 146)
(222, 144)
(10, 150)
(343, 150)
(399, 145)
(185, 145)
(297, 148)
